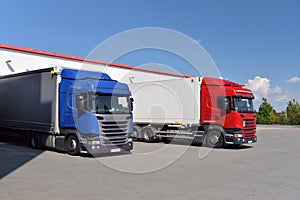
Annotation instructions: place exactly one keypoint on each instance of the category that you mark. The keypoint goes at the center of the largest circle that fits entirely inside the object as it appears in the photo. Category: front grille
(249, 128)
(249, 123)
(249, 133)
(114, 132)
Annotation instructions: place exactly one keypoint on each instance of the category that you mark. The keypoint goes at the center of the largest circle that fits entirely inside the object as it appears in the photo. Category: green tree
(266, 113)
(293, 112)
(281, 118)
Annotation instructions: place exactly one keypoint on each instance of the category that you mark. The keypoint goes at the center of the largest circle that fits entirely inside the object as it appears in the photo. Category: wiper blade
(105, 112)
(246, 111)
(120, 112)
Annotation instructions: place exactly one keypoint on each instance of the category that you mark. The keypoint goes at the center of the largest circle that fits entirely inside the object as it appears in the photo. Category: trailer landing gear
(34, 141)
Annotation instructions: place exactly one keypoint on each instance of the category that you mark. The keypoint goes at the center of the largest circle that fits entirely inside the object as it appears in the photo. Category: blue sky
(253, 42)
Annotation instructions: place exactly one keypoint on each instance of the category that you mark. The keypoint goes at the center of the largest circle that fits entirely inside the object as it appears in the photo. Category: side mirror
(131, 103)
(81, 103)
(81, 106)
(227, 107)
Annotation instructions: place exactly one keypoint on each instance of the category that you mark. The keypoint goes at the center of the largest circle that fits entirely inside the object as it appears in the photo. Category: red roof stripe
(64, 56)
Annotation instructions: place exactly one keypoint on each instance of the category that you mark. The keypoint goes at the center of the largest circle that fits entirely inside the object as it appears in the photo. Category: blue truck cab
(95, 113)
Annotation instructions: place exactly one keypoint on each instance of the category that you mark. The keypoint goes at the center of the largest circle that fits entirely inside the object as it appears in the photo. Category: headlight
(93, 142)
(238, 135)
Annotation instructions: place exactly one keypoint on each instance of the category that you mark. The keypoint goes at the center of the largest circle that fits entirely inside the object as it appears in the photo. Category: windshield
(110, 104)
(243, 104)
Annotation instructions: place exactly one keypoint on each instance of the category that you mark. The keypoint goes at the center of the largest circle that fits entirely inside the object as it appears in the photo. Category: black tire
(136, 133)
(72, 145)
(214, 138)
(149, 134)
(166, 140)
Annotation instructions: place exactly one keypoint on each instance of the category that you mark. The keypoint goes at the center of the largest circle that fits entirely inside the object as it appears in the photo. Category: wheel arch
(68, 132)
(215, 127)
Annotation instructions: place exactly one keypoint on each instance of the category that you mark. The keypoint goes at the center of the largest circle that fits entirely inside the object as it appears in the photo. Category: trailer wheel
(214, 138)
(136, 132)
(148, 134)
(72, 145)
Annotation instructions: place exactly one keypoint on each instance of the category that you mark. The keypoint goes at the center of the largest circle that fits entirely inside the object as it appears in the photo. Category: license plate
(250, 141)
(115, 150)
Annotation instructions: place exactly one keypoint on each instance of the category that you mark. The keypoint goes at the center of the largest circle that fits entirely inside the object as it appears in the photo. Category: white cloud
(275, 91)
(259, 86)
(282, 98)
(295, 79)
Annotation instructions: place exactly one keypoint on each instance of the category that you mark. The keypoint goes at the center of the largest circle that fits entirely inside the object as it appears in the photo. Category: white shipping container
(175, 101)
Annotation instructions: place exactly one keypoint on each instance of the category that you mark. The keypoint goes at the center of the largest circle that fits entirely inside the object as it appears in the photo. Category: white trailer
(166, 109)
(168, 101)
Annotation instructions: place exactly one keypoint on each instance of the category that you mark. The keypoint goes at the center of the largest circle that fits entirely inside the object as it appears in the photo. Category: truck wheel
(214, 138)
(136, 132)
(148, 134)
(72, 145)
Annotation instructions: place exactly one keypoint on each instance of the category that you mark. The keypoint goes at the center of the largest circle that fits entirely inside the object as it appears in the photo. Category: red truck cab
(227, 107)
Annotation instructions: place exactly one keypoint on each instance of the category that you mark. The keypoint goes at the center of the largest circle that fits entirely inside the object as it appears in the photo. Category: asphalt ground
(268, 169)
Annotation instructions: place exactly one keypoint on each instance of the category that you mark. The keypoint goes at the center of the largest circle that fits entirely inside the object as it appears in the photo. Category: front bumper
(95, 147)
(236, 136)
(244, 140)
(100, 149)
